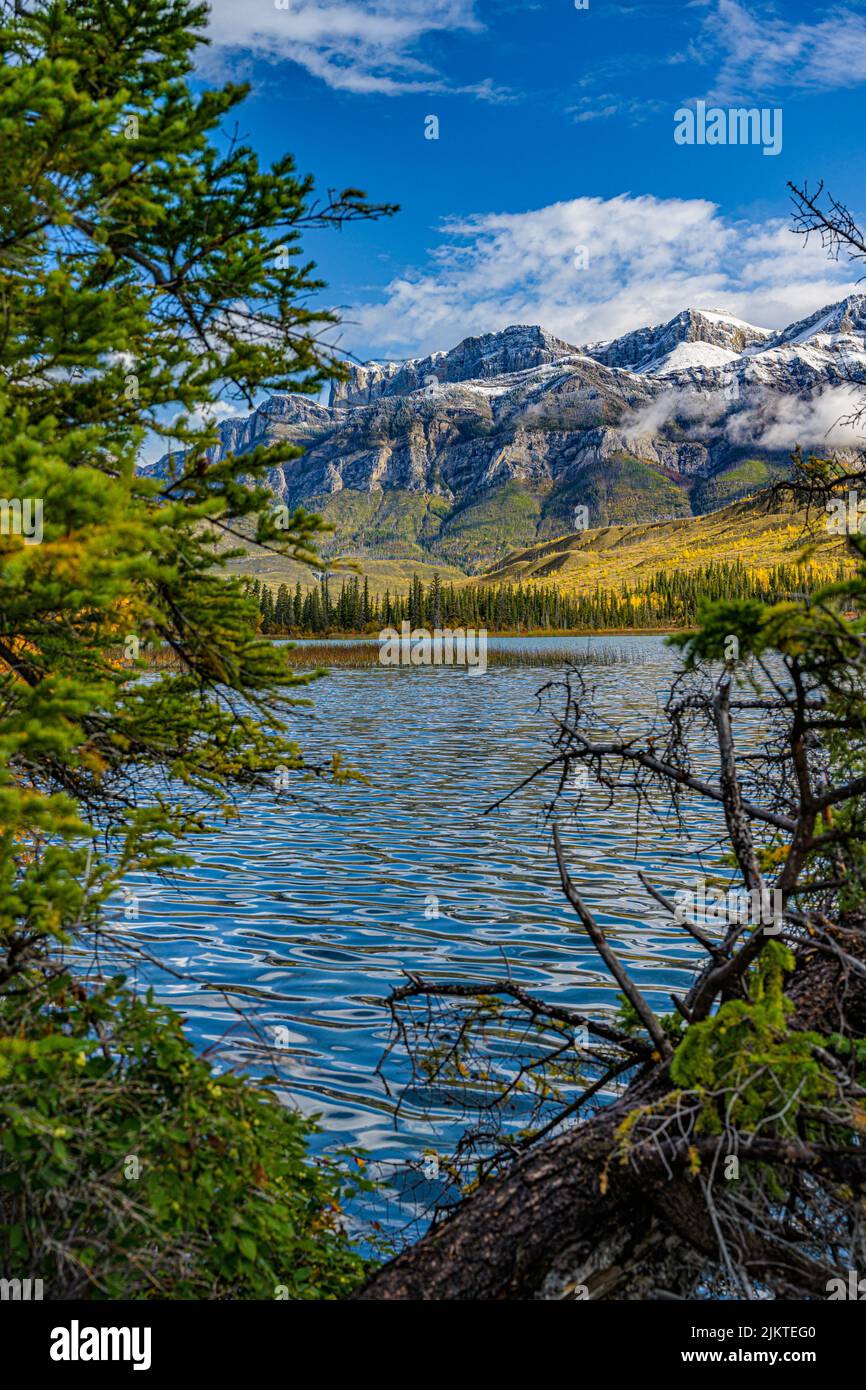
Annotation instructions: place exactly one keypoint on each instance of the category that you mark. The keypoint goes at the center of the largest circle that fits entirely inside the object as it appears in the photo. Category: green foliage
(122, 264)
(623, 488)
(741, 479)
(489, 525)
(746, 1065)
(128, 1170)
(665, 598)
(820, 634)
(393, 522)
(148, 268)
(629, 1021)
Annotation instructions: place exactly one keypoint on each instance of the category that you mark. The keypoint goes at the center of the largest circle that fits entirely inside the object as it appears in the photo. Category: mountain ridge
(463, 455)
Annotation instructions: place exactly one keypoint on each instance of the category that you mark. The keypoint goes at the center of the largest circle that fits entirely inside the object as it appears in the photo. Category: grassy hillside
(610, 555)
(410, 526)
(382, 574)
(495, 523)
(740, 480)
(574, 563)
(397, 524)
(620, 490)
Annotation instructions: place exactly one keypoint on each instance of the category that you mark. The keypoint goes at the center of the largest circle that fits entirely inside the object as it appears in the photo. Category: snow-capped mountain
(465, 454)
(694, 338)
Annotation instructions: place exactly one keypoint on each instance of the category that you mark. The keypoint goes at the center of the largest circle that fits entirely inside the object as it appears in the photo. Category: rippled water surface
(307, 911)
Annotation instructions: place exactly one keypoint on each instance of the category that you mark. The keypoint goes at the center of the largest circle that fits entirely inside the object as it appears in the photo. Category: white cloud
(648, 259)
(763, 54)
(701, 408)
(365, 46)
(768, 419)
(604, 105)
(215, 413)
(783, 422)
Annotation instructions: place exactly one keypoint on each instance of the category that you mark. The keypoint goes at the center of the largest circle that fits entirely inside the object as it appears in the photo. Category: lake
(308, 910)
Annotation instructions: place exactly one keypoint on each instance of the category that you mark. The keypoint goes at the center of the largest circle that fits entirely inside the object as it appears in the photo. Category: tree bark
(569, 1219)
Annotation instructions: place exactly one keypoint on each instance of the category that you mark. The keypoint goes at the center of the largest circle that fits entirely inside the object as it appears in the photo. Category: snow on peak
(685, 356)
(716, 316)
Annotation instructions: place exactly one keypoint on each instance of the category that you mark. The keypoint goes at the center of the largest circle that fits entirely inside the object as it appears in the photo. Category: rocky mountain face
(648, 348)
(516, 436)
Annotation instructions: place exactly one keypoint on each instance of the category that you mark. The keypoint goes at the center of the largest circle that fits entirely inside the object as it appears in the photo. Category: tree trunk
(570, 1220)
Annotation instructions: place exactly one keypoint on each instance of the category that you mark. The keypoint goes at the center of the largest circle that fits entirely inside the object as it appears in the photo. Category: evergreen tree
(283, 608)
(148, 268)
(436, 602)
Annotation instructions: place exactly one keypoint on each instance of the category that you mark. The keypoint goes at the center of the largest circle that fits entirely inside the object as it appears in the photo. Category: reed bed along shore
(357, 656)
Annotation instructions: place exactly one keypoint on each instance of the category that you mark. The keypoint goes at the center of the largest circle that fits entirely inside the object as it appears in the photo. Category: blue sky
(555, 133)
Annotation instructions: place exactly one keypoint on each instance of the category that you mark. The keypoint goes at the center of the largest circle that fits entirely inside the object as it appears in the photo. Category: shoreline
(338, 636)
